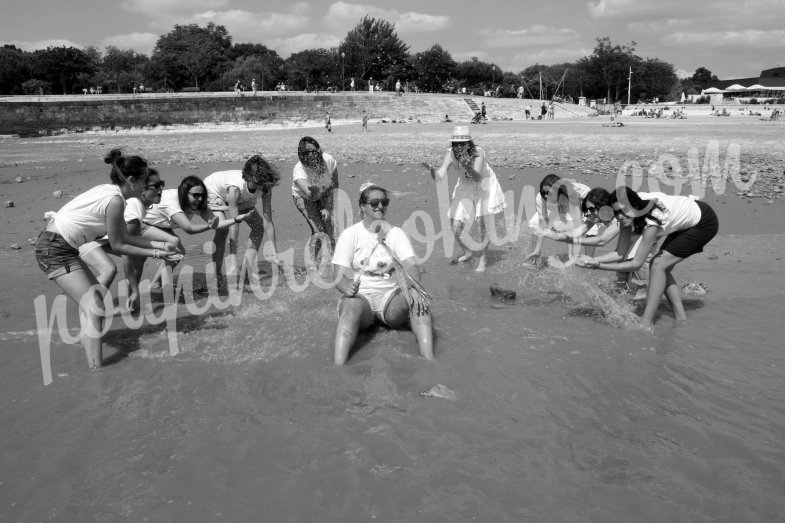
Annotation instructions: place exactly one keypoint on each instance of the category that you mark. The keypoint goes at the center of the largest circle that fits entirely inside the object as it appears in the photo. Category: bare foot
(463, 258)
(480, 266)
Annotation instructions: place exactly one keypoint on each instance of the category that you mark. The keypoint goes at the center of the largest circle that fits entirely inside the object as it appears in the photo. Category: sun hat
(461, 134)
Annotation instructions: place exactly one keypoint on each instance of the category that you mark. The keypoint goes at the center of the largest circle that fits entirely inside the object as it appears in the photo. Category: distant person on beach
(398, 88)
(351, 84)
(254, 86)
(528, 112)
(233, 194)
(175, 211)
(557, 212)
(446, 119)
(365, 121)
(477, 195)
(328, 124)
(314, 182)
(89, 216)
(483, 111)
(687, 226)
(378, 278)
(95, 253)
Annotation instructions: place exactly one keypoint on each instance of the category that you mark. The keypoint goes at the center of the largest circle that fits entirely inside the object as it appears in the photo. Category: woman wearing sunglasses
(96, 253)
(315, 180)
(686, 226)
(556, 207)
(378, 278)
(477, 195)
(175, 211)
(91, 215)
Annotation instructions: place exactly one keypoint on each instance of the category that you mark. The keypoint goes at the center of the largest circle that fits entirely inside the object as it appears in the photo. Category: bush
(36, 87)
(753, 101)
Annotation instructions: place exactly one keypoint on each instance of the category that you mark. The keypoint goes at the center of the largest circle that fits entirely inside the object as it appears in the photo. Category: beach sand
(563, 410)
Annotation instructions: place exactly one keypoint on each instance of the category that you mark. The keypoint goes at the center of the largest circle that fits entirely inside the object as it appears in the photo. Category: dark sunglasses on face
(199, 195)
(590, 210)
(376, 201)
(157, 185)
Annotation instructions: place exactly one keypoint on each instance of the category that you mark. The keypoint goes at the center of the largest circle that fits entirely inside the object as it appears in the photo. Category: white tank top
(218, 184)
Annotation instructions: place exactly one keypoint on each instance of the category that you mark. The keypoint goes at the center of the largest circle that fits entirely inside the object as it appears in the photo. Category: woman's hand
(326, 214)
(532, 257)
(244, 217)
(430, 169)
(418, 304)
(352, 288)
(587, 262)
(133, 301)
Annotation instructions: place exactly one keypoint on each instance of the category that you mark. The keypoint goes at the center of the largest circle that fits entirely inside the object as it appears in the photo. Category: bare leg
(254, 243)
(457, 229)
(661, 266)
(422, 326)
(76, 285)
(673, 293)
(104, 268)
(220, 249)
(354, 314)
(485, 241)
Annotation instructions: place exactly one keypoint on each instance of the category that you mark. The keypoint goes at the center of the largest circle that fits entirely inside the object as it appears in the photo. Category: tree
(311, 68)
(704, 76)
(474, 73)
(201, 52)
(434, 67)
(123, 67)
(373, 49)
(61, 66)
(254, 61)
(655, 78)
(609, 66)
(14, 69)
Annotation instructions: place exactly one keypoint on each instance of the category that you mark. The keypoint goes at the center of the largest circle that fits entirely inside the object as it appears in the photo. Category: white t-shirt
(325, 181)
(160, 214)
(538, 221)
(355, 244)
(218, 185)
(134, 210)
(83, 219)
(681, 212)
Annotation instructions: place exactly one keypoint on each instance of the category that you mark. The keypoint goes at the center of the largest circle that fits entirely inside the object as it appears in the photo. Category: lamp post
(343, 71)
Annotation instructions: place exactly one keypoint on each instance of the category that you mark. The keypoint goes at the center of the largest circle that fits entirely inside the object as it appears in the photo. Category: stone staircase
(471, 104)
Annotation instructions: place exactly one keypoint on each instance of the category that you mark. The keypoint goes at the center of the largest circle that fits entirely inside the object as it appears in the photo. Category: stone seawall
(52, 114)
(33, 115)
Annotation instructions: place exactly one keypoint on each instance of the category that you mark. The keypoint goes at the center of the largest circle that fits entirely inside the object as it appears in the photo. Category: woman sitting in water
(553, 218)
(175, 210)
(89, 216)
(378, 278)
(687, 226)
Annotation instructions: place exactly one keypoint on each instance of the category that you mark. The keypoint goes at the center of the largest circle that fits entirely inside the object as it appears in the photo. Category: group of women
(653, 228)
(136, 218)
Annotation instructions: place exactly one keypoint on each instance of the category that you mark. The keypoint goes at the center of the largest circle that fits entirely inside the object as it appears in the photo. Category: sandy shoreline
(563, 413)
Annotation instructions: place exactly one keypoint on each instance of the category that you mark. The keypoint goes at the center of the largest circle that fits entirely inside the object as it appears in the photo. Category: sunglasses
(590, 210)
(376, 201)
(157, 185)
(199, 195)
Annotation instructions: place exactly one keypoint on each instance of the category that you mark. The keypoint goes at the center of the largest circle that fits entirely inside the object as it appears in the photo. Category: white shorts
(378, 301)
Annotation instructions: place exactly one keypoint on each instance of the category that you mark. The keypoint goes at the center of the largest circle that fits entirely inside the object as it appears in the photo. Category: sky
(731, 38)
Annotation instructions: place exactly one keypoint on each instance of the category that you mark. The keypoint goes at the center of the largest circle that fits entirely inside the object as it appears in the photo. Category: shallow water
(563, 409)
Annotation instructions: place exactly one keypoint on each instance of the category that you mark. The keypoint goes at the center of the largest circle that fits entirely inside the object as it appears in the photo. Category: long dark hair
(471, 151)
(642, 209)
(261, 172)
(188, 183)
(314, 163)
(597, 196)
(124, 167)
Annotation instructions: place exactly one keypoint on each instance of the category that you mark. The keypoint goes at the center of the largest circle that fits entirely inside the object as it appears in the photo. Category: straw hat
(461, 134)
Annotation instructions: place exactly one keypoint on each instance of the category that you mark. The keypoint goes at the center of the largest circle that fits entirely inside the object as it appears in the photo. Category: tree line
(195, 58)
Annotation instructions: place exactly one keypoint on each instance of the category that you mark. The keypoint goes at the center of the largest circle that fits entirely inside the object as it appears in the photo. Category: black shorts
(687, 242)
(55, 256)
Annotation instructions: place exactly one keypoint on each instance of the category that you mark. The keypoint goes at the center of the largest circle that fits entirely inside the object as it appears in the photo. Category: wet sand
(563, 410)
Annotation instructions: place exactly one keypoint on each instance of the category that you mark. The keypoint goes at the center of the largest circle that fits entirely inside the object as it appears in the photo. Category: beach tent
(757, 87)
(712, 90)
(683, 97)
(736, 87)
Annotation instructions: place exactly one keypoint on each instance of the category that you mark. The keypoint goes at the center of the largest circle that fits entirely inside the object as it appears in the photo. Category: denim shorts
(55, 256)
